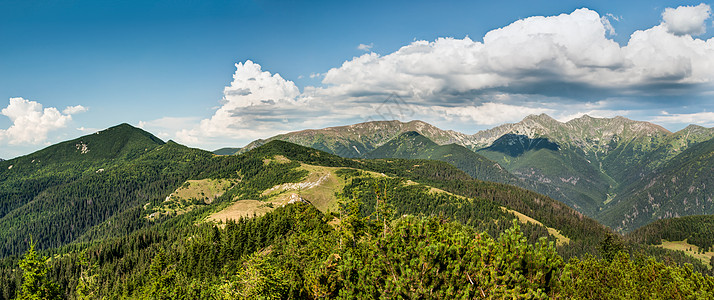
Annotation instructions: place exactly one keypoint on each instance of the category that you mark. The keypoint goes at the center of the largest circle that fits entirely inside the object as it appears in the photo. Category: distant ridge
(587, 162)
(413, 145)
(226, 151)
(358, 139)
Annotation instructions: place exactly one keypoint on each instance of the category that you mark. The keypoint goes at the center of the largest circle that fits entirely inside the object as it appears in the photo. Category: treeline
(584, 232)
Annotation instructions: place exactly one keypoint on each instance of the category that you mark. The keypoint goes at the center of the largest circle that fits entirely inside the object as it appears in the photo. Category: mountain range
(124, 214)
(596, 165)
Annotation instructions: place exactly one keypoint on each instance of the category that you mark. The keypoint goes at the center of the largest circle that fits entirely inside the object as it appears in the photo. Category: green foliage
(35, 283)
(257, 279)
(680, 186)
(611, 246)
(390, 238)
(88, 284)
(697, 230)
(642, 278)
(412, 145)
(427, 258)
(161, 279)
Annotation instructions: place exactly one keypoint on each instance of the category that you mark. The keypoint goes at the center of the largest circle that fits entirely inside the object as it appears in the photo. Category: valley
(615, 170)
(206, 220)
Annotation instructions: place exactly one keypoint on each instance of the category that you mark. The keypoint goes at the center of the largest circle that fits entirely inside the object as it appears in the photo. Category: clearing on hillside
(191, 194)
(688, 249)
(318, 188)
(552, 231)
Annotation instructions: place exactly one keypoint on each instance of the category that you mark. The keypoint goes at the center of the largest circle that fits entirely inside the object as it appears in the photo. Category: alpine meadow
(405, 150)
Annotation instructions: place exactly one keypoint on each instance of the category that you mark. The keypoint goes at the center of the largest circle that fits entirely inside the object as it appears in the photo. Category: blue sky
(180, 69)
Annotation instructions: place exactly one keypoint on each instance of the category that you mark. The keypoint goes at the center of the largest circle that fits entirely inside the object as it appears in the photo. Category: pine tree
(87, 286)
(611, 246)
(35, 284)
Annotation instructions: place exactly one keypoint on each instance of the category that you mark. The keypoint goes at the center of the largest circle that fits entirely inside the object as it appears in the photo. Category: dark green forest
(402, 229)
(697, 230)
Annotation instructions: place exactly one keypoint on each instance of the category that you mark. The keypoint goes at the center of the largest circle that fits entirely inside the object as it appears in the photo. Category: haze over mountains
(596, 165)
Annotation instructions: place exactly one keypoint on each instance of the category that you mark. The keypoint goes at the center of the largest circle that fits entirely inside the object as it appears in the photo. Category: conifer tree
(87, 286)
(35, 284)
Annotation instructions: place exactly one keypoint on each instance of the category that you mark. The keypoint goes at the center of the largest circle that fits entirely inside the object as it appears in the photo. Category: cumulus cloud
(253, 98)
(553, 64)
(31, 122)
(567, 55)
(687, 20)
(365, 47)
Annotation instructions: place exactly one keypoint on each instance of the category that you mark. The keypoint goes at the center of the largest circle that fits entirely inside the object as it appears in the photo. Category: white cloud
(597, 113)
(365, 47)
(567, 55)
(535, 65)
(702, 118)
(31, 122)
(253, 98)
(491, 113)
(569, 49)
(70, 110)
(687, 20)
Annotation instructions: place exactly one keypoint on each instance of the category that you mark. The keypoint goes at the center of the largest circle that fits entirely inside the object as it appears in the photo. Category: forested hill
(595, 165)
(284, 221)
(681, 186)
(584, 232)
(56, 194)
(696, 230)
(413, 145)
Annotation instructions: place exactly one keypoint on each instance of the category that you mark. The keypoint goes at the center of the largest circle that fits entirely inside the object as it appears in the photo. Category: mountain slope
(682, 186)
(412, 145)
(692, 235)
(358, 139)
(295, 244)
(585, 233)
(585, 162)
(697, 230)
(599, 162)
(58, 193)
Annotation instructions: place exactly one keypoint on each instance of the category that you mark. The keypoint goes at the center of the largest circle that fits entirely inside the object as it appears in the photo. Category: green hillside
(60, 192)
(412, 145)
(287, 221)
(612, 169)
(692, 235)
(697, 230)
(586, 162)
(358, 139)
(682, 186)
